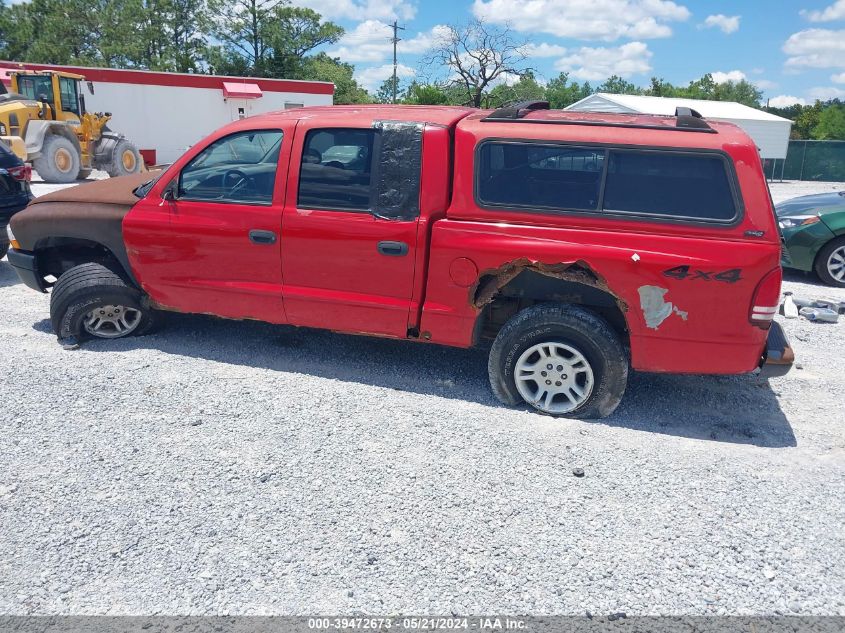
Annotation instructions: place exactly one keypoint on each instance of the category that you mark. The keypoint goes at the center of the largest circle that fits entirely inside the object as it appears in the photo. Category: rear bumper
(778, 356)
(26, 266)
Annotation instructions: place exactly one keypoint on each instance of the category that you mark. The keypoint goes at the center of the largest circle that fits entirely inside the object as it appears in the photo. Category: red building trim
(183, 80)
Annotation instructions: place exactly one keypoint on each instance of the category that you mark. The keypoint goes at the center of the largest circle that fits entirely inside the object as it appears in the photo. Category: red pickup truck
(574, 245)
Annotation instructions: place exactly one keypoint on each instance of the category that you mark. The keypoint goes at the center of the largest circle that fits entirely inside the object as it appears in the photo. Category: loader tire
(59, 160)
(125, 160)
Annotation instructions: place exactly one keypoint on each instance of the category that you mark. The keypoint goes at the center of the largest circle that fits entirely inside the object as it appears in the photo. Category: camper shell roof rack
(686, 119)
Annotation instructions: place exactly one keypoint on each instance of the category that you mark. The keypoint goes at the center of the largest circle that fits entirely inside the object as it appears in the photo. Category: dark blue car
(15, 193)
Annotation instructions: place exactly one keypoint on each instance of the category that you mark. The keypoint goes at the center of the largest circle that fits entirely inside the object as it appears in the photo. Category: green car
(813, 232)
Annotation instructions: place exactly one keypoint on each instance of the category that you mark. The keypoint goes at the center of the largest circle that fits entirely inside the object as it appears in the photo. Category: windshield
(36, 86)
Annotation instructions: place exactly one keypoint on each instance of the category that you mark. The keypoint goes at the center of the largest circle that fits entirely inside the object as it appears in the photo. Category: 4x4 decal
(730, 276)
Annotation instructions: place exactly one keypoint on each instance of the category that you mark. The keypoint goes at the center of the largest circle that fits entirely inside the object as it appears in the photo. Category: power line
(395, 39)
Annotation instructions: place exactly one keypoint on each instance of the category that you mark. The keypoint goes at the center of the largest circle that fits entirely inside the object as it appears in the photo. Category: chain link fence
(810, 160)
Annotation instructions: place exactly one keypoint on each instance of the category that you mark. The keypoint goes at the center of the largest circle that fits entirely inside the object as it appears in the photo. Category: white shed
(770, 132)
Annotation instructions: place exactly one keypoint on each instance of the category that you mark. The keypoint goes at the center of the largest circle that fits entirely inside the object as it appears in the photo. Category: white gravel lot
(221, 467)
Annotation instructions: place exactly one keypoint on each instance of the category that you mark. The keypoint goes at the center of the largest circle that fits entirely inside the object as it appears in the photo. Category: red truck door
(349, 231)
(211, 244)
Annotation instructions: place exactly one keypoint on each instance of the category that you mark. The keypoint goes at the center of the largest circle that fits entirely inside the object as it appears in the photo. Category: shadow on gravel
(802, 277)
(8, 276)
(737, 409)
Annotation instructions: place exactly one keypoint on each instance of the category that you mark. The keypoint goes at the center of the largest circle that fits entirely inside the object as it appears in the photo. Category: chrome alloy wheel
(553, 377)
(111, 321)
(836, 264)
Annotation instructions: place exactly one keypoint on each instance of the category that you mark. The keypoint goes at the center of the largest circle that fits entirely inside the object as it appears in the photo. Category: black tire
(570, 325)
(822, 258)
(4, 242)
(83, 174)
(87, 287)
(59, 160)
(123, 154)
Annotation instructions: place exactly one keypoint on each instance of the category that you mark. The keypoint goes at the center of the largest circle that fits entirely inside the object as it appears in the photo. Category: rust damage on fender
(491, 281)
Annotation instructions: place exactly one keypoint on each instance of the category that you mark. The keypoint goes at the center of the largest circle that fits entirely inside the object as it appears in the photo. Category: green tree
(385, 92)
(265, 38)
(526, 88)
(616, 85)
(560, 93)
(659, 87)
(243, 29)
(740, 91)
(426, 94)
(807, 120)
(831, 124)
(322, 67)
(704, 88)
(293, 34)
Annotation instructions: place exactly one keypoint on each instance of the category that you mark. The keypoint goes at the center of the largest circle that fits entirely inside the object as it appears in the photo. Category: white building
(165, 113)
(770, 132)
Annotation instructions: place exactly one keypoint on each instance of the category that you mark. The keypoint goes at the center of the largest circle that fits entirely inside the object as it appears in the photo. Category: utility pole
(395, 40)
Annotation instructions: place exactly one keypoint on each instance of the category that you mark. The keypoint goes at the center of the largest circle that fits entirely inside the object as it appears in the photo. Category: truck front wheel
(90, 300)
(561, 359)
(59, 160)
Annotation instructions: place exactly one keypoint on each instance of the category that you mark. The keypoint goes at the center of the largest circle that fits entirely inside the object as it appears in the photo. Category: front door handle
(394, 249)
(257, 236)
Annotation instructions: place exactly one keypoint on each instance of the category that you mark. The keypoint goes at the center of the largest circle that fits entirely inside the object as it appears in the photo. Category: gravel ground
(231, 467)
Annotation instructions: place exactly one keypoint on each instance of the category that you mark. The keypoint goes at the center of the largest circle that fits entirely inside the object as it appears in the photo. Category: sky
(793, 50)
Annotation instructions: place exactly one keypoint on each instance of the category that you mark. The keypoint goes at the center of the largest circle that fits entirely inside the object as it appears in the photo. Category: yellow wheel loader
(43, 120)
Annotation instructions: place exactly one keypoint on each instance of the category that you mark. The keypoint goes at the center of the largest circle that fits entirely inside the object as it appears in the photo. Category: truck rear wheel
(90, 300)
(125, 159)
(563, 360)
(59, 160)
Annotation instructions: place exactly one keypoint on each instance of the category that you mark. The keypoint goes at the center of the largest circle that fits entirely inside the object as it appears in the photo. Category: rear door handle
(257, 236)
(394, 249)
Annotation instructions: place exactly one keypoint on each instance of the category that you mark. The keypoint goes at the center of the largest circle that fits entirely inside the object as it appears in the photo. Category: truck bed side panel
(685, 320)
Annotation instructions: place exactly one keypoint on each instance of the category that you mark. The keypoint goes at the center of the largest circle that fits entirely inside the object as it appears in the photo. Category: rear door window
(337, 168)
(669, 184)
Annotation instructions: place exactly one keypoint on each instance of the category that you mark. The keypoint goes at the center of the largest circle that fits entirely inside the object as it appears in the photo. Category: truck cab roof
(593, 127)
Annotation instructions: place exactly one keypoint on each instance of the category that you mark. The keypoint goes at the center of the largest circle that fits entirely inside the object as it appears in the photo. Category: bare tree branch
(475, 56)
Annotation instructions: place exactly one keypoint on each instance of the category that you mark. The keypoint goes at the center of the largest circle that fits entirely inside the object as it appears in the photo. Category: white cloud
(836, 11)
(728, 24)
(733, 75)
(362, 9)
(737, 75)
(784, 101)
(823, 93)
(370, 41)
(838, 79)
(606, 20)
(815, 48)
(372, 78)
(595, 64)
(543, 50)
